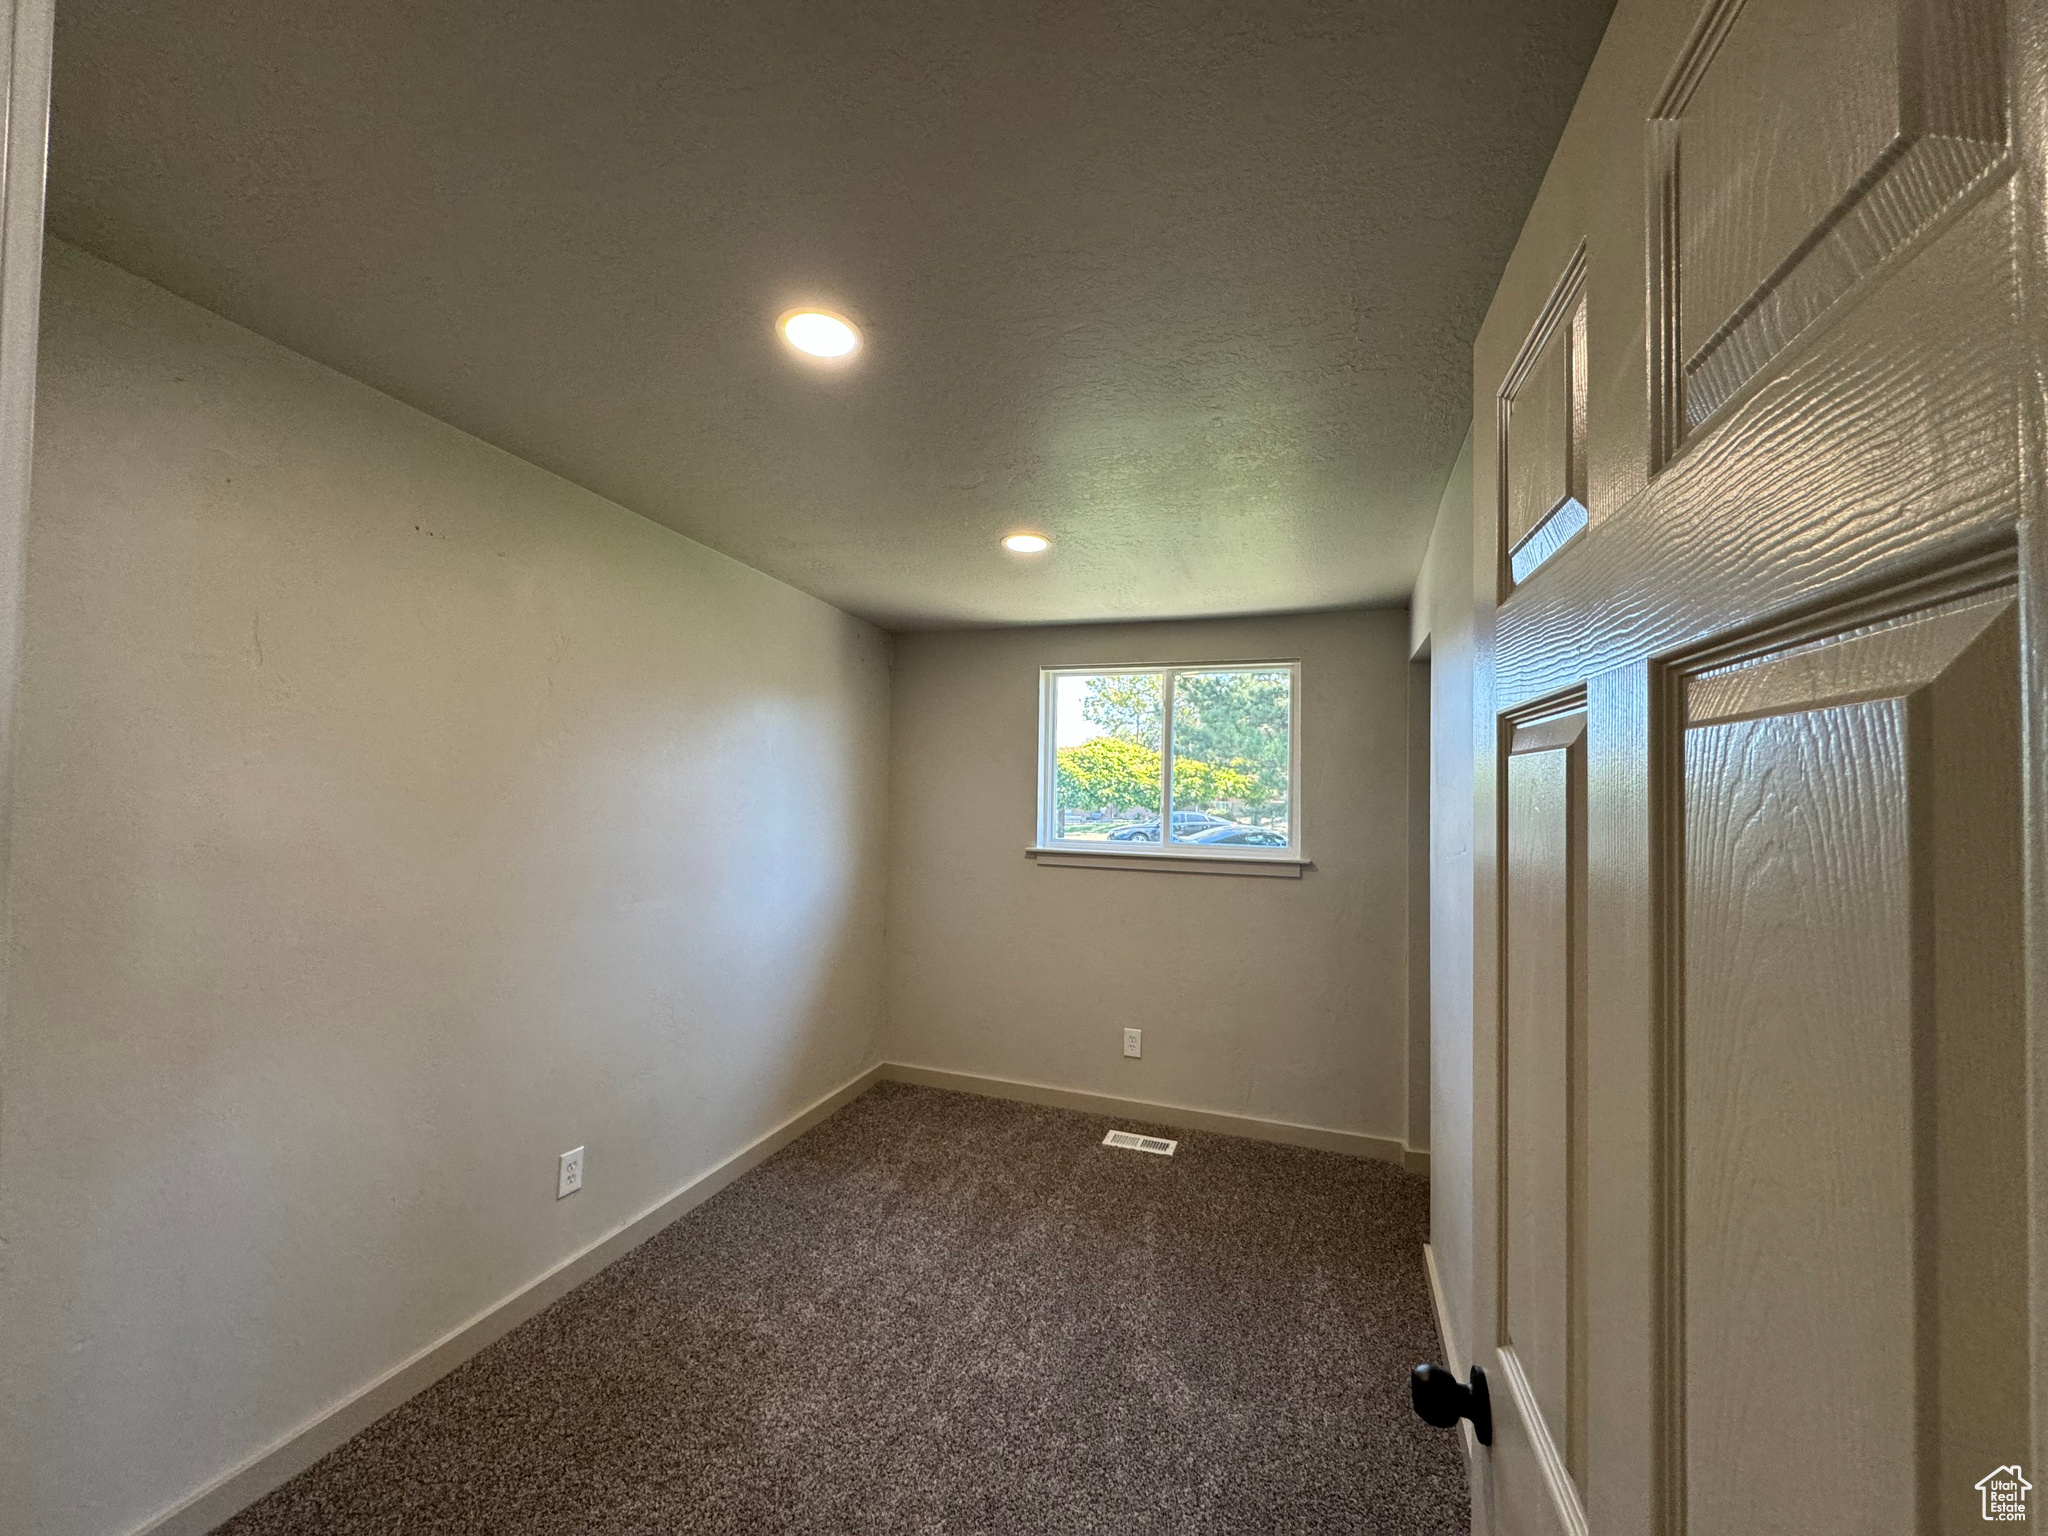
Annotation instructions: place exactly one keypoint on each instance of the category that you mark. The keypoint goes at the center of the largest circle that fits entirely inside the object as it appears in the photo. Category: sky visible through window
(1075, 727)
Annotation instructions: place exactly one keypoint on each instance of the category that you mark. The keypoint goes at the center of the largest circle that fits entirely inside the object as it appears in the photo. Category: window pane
(1107, 774)
(1231, 733)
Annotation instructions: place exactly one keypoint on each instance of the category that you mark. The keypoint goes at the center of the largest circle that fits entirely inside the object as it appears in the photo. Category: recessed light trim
(819, 333)
(1027, 543)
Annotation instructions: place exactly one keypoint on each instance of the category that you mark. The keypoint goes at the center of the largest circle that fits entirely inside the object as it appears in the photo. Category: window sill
(1172, 863)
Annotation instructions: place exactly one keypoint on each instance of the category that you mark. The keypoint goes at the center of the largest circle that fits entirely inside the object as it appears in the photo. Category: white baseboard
(290, 1455)
(1454, 1358)
(1351, 1143)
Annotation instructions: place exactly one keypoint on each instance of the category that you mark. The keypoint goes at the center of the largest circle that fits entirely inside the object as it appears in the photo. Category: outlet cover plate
(571, 1177)
(1134, 1042)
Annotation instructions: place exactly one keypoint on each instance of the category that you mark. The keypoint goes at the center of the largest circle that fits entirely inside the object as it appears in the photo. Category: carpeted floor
(941, 1313)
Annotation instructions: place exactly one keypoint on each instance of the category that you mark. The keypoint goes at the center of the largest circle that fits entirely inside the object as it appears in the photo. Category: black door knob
(1441, 1399)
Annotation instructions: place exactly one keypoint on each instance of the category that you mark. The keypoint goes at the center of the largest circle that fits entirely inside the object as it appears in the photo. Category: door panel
(1543, 1135)
(1798, 1188)
(1539, 437)
(1543, 433)
(1851, 967)
(1785, 197)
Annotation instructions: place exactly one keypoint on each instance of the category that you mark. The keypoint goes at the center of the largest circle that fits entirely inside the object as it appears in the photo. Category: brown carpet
(941, 1313)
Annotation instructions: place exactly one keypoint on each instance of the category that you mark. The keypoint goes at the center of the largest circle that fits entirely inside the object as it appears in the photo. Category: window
(1170, 760)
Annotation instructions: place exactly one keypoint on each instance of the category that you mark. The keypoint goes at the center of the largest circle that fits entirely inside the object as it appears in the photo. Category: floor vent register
(1131, 1141)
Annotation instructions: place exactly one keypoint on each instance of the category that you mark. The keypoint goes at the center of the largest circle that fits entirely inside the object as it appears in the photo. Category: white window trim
(1168, 853)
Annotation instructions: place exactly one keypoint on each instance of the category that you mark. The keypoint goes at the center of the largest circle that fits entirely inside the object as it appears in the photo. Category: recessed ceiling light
(1027, 543)
(820, 333)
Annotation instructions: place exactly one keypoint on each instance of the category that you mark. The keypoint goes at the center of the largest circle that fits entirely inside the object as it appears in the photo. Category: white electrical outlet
(571, 1178)
(1134, 1039)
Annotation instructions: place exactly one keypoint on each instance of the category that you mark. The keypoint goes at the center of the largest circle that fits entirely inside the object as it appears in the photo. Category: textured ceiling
(1190, 287)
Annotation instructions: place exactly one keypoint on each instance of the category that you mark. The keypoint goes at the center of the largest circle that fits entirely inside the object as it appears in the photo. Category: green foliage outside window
(1230, 743)
(1109, 774)
(1239, 718)
(1127, 705)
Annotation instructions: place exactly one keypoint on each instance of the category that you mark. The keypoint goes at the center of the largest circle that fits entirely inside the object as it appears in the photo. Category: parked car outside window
(1238, 837)
(1187, 827)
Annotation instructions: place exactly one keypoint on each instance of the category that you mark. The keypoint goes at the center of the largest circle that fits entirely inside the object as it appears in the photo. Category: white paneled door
(1760, 1032)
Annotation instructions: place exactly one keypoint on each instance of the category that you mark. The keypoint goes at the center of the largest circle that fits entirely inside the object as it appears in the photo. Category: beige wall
(1279, 999)
(392, 816)
(1442, 616)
